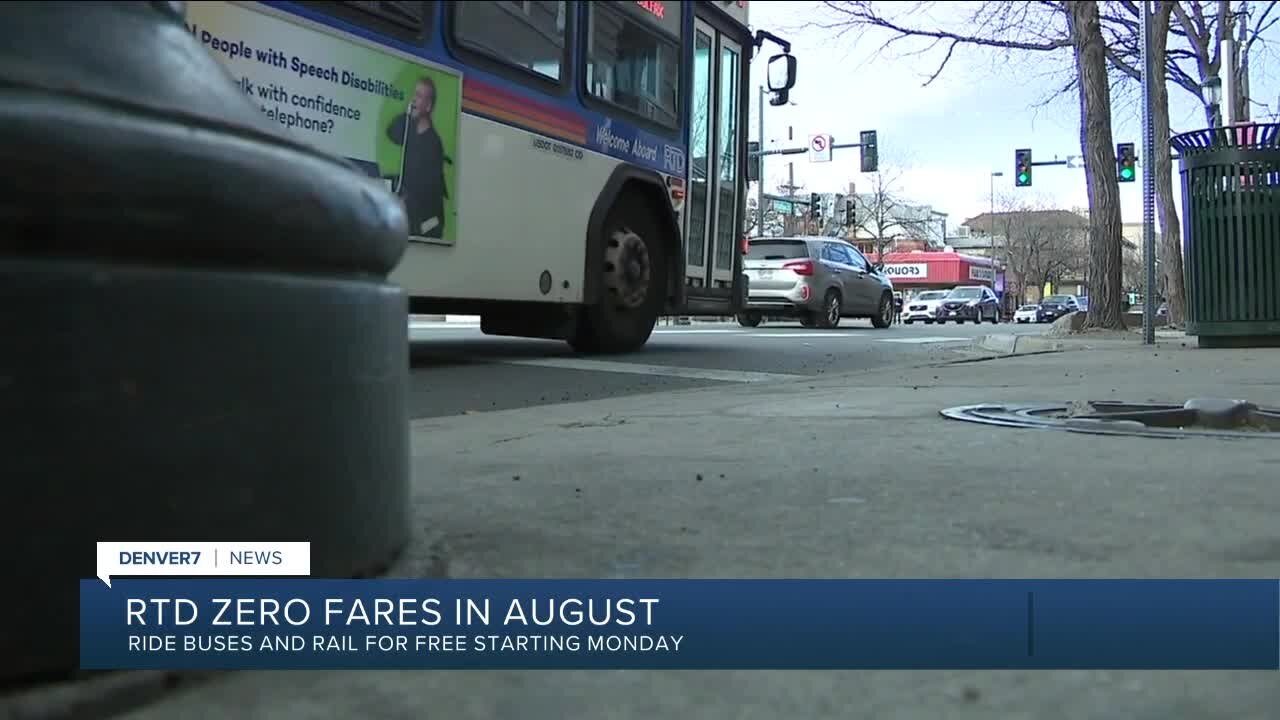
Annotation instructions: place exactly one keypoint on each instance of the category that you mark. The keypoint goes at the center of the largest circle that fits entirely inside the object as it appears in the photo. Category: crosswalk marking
(780, 333)
(830, 335)
(734, 376)
(729, 331)
(924, 340)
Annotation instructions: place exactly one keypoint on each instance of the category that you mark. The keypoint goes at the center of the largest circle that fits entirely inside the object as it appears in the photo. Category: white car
(923, 306)
(1027, 314)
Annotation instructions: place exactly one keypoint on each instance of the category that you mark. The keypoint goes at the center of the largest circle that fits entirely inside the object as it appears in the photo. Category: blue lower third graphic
(679, 624)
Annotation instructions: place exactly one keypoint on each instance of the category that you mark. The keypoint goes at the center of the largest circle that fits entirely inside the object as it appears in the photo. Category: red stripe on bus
(491, 96)
(507, 115)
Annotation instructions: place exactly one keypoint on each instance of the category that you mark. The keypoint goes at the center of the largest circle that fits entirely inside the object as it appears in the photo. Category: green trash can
(1231, 234)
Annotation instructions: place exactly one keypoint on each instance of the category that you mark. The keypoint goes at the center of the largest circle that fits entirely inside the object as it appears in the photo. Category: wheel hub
(627, 268)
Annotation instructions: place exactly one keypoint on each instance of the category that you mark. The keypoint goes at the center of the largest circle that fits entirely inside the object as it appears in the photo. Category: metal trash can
(198, 341)
(1231, 234)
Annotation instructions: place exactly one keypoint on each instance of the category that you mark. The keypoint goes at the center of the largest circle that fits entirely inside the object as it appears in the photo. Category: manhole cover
(1198, 417)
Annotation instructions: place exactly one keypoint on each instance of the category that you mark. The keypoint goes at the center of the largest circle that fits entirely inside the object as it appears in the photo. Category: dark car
(969, 302)
(1055, 306)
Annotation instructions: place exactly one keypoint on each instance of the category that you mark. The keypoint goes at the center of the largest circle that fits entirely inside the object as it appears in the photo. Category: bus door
(714, 208)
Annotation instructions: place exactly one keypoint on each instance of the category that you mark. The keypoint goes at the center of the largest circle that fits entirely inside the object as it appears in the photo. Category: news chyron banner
(270, 618)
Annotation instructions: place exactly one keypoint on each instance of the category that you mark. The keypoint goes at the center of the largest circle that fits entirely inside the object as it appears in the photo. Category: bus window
(631, 65)
(403, 20)
(529, 35)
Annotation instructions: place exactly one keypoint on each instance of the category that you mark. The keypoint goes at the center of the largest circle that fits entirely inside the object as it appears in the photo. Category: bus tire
(634, 282)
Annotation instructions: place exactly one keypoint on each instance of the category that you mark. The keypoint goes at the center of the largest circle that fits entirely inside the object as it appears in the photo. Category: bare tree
(883, 215)
(1040, 244)
(1043, 26)
(1125, 55)
(1105, 229)
(1192, 60)
(775, 222)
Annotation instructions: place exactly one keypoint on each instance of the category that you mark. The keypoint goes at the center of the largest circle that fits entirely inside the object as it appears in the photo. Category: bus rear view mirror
(782, 72)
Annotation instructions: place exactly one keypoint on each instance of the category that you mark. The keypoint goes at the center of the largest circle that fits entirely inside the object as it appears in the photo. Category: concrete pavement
(457, 369)
(841, 476)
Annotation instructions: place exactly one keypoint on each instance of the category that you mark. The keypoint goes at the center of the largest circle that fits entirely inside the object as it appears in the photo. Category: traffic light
(815, 206)
(850, 212)
(1125, 162)
(870, 151)
(1022, 167)
(753, 161)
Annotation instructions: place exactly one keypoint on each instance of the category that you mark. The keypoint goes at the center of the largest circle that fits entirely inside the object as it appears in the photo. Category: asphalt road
(456, 369)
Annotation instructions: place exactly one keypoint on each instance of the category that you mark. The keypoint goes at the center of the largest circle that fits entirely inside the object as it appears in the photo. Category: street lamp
(991, 227)
(1213, 95)
(760, 180)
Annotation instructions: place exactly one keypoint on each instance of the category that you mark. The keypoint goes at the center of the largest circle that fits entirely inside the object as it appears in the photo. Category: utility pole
(791, 188)
(1149, 179)
(992, 229)
(760, 182)
(1230, 82)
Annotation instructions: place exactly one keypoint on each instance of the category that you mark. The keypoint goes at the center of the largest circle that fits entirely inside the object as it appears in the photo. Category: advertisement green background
(446, 117)
(365, 139)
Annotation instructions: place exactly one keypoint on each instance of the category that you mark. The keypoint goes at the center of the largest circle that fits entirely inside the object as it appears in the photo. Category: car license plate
(766, 274)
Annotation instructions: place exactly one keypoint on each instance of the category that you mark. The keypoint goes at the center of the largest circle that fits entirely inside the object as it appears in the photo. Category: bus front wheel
(634, 281)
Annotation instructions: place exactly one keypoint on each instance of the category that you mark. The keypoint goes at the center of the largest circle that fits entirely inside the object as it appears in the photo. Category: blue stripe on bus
(605, 134)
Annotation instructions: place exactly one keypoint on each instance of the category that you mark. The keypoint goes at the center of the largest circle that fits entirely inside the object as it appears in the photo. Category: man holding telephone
(421, 184)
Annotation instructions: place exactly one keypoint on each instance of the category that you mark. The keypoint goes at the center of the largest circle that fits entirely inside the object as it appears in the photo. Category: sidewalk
(853, 476)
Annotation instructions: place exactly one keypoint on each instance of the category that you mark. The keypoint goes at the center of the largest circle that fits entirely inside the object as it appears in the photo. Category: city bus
(570, 170)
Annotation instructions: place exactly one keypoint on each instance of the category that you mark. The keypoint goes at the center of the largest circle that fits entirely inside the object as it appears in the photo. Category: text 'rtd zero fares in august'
(172, 606)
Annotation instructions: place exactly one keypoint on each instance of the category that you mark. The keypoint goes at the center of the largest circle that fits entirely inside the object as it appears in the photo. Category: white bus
(571, 170)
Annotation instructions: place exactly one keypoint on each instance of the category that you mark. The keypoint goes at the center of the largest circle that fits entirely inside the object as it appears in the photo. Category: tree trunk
(1105, 241)
(1170, 250)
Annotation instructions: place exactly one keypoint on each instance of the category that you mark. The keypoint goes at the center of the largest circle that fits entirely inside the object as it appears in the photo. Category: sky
(941, 143)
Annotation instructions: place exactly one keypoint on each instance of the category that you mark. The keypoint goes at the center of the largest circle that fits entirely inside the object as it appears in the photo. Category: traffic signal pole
(791, 179)
(803, 150)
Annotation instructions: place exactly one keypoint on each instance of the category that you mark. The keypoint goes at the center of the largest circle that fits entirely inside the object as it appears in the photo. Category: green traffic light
(1023, 178)
(1126, 173)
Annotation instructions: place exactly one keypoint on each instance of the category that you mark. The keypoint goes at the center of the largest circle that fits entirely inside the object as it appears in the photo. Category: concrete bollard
(199, 340)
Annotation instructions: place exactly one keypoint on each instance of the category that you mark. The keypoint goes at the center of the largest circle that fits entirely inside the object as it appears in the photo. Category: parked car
(1027, 314)
(969, 302)
(1055, 306)
(923, 306)
(816, 280)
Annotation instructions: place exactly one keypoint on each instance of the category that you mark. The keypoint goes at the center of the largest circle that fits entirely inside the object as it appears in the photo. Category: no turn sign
(819, 148)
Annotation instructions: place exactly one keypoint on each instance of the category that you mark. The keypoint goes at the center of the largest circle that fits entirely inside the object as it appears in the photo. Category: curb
(1010, 344)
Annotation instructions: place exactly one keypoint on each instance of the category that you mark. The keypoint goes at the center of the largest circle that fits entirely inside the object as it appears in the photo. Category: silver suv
(817, 280)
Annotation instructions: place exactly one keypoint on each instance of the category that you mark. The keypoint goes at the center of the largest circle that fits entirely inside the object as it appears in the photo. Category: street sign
(1075, 161)
(819, 148)
(981, 273)
(784, 206)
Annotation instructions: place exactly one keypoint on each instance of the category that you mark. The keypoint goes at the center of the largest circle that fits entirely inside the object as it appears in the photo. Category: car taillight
(800, 267)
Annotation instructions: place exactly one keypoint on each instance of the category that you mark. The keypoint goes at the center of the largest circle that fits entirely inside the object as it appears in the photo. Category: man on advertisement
(421, 185)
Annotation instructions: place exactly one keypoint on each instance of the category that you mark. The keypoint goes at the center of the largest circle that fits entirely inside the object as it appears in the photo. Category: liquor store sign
(907, 271)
